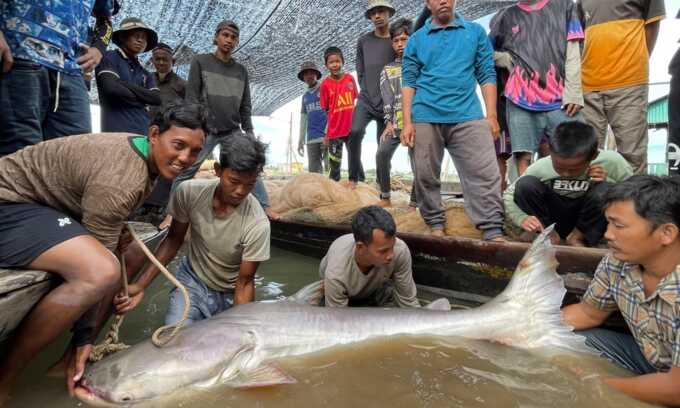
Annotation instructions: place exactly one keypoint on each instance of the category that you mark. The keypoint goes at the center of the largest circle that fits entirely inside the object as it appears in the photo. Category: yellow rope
(111, 343)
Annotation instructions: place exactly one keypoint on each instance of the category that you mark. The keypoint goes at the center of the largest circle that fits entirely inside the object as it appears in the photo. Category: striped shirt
(654, 321)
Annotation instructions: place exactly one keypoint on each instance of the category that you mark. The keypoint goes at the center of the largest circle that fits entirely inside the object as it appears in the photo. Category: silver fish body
(235, 347)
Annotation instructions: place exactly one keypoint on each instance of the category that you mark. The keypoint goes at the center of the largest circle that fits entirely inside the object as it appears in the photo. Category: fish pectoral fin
(265, 375)
(439, 304)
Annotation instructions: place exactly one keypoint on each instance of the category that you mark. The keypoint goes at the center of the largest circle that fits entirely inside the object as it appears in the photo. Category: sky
(275, 128)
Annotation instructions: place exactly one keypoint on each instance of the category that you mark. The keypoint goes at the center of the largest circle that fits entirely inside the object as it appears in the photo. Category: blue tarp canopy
(276, 35)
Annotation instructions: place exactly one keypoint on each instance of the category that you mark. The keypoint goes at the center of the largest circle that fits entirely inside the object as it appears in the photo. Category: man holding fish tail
(641, 278)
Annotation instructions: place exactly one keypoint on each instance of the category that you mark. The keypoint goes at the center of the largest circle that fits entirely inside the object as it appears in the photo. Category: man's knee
(529, 185)
(100, 276)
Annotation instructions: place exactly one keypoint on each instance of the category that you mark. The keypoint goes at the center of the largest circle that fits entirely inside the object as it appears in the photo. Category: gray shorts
(528, 127)
(27, 230)
(205, 302)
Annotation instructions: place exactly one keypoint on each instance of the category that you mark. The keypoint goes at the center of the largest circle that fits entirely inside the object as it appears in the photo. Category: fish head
(145, 372)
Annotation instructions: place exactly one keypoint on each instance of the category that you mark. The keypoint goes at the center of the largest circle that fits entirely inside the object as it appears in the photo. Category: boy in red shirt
(337, 96)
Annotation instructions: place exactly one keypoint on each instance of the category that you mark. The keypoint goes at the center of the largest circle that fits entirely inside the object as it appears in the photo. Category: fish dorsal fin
(263, 376)
(311, 294)
(439, 304)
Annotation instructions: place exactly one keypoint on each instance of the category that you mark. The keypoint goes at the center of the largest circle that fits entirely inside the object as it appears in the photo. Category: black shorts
(28, 230)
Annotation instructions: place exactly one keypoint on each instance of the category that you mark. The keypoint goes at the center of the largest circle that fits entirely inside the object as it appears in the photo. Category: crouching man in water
(641, 278)
(229, 236)
(370, 267)
(63, 204)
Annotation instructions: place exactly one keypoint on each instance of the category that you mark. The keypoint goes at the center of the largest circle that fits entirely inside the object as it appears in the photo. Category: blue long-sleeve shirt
(444, 66)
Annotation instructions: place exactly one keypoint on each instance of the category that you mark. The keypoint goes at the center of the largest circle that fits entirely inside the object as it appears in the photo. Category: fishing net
(314, 198)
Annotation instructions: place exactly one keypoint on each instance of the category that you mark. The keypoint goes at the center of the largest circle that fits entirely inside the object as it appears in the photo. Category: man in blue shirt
(125, 87)
(443, 63)
(45, 47)
(313, 119)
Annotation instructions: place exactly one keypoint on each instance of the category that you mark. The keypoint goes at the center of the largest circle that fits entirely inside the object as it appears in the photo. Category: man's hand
(388, 132)
(495, 127)
(597, 173)
(408, 135)
(5, 55)
(532, 224)
(572, 109)
(124, 304)
(90, 59)
(75, 366)
(301, 150)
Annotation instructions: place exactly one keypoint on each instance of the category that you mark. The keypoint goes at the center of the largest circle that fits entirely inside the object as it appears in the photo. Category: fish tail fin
(311, 294)
(535, 293)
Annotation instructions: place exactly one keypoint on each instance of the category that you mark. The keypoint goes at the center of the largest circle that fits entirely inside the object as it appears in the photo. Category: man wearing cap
(313, 119)
(125, 87)
(221, 83)
(171, 85)
(374, 51)
(44, 51)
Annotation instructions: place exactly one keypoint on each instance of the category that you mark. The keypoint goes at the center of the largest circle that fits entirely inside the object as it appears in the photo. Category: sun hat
(308, 66)
(134, 23)
(379, 3)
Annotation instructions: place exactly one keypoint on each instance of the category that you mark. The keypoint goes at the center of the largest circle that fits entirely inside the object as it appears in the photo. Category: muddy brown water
(400, 372)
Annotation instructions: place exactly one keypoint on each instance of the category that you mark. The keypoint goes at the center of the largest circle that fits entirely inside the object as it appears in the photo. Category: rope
(112, 343)
(157, 337)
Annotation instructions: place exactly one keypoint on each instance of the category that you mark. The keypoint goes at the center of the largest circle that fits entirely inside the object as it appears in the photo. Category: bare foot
(352, 184)
(165, 223)
(385, 203)
(576, 239)
(273, 215)
(439, 233)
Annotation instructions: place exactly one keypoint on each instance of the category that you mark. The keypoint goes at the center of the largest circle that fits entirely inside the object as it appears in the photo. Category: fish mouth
(88, 396)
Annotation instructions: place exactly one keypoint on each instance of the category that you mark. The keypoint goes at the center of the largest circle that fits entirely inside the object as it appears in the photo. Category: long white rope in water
(111, 343)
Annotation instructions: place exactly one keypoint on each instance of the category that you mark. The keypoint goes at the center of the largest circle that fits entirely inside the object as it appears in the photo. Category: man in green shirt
(567, 188)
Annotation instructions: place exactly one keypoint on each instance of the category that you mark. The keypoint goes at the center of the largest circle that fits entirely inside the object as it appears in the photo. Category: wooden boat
(21, 289)
(469, 269)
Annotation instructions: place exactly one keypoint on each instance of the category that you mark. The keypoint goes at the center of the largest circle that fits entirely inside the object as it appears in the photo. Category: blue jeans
(619, 348)
(210, 142)
(205, 302)
(39, 104)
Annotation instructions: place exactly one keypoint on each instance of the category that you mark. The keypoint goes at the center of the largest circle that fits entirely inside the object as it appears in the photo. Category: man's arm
(485, 73)
(303, 133)
(245, 283)
(246, 108)
(194, 82)
(116, 91)
(651, 34)
(583, 316)
(658, 389)
(359, 64)
(335, 293)
(405, 292)
(572, 96)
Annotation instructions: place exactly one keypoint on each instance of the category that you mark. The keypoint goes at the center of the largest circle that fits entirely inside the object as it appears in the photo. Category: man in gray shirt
(371, 266)
(374, 51)
(221, 83)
